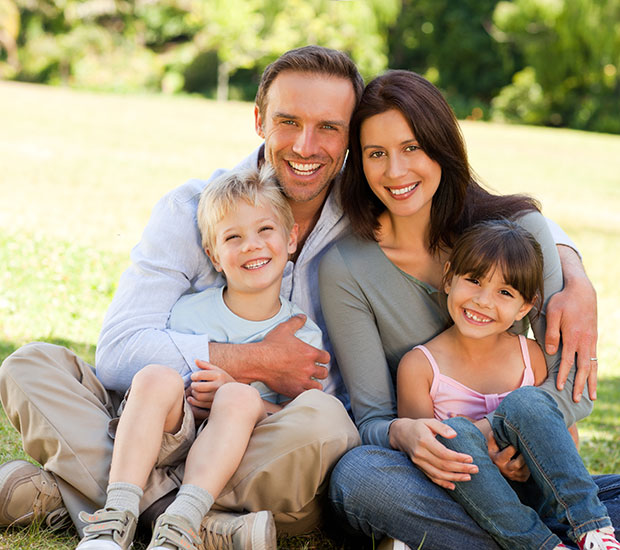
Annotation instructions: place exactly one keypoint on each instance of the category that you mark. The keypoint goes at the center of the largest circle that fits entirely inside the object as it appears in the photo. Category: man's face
(306, 129)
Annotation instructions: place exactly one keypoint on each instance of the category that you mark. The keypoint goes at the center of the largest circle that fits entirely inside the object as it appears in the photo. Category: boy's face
(252, 248)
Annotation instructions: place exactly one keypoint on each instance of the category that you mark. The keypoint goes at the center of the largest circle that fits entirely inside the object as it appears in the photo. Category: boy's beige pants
(53, 398)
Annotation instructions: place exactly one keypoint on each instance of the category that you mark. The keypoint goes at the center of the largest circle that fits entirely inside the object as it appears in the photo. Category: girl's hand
(205, 383)
(417, 438)
(510, 464)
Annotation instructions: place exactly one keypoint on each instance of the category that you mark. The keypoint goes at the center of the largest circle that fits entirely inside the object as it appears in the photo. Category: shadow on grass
(84, 350)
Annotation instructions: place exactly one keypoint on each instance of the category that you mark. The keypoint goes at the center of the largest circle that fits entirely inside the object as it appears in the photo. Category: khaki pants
(62, 412)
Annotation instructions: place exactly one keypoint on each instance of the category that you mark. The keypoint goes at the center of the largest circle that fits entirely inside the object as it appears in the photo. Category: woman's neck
(404, 240)
(253, 306)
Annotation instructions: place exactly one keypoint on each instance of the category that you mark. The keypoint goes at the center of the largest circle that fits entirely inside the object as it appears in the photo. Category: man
(303, 106)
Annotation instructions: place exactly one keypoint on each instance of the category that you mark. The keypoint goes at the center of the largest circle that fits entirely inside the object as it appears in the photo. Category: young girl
(480, 380)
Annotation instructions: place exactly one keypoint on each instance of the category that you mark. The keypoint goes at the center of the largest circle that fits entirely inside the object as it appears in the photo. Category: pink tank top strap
(528, 373)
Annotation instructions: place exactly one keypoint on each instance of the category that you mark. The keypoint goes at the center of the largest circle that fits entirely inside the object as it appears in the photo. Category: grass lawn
(80, 172)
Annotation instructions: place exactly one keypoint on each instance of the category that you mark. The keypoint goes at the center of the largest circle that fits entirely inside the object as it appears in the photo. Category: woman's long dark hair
(459, 200)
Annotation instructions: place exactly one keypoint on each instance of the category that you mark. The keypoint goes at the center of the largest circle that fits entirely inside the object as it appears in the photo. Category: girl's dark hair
(459, 200)
(502, 244)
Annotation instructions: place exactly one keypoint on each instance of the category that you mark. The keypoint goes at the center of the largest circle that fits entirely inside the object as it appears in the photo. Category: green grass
(80, 172)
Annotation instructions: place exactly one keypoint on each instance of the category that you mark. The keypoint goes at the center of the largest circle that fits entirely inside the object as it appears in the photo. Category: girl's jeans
(380, 492)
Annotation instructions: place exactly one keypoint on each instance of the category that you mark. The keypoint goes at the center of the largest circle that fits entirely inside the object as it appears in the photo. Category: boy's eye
(266, 228)
(472, 280)
(231, 237)
(506, 293)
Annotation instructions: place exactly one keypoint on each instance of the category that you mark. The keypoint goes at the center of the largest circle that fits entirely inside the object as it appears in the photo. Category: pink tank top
(451, 397)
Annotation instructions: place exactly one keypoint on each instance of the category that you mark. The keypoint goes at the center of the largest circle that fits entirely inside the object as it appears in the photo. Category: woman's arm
(358, 349)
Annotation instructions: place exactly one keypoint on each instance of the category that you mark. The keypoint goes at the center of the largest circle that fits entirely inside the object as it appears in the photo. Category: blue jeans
(380, 492)
(560, 486)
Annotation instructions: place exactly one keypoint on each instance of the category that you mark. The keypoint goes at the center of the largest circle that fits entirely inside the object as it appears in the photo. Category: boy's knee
(238, 397)
(158, 382)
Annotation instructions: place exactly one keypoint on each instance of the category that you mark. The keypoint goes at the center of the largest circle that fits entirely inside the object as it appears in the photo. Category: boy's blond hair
(254, 186)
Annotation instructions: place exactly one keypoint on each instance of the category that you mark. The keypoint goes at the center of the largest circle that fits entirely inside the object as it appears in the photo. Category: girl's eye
(266, 228)
(506, 293)
(411, 148)
(231, 237)
(472, 280)
(376, 154)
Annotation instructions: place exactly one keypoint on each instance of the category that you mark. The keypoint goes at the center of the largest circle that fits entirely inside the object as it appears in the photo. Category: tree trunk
(223, 76)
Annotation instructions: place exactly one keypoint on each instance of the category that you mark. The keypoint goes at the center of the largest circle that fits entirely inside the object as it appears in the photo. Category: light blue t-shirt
(206, 312)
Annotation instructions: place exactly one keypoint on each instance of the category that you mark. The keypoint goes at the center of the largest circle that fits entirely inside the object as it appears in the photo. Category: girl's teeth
(470, 315)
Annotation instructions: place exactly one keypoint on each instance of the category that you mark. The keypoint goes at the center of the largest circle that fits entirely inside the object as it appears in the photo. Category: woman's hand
(417, 438)
(205, 383)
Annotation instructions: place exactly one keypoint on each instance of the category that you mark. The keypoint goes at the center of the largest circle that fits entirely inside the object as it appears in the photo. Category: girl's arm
(414, 380)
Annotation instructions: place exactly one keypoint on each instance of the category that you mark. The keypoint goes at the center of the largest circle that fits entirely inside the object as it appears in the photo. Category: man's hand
(281, 360)
(292, 366)
(205, 383)
(510, 466)
(573, 314)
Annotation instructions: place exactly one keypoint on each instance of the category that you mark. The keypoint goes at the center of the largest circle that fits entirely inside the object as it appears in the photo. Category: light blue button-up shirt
(169, 262)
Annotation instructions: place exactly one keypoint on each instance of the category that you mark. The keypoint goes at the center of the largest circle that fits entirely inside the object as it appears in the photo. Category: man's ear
(258, 122)
(214, 260)
(292, 239)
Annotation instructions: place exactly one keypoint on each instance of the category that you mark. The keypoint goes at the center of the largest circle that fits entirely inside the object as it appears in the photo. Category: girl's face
(485, 306)
(399, 172)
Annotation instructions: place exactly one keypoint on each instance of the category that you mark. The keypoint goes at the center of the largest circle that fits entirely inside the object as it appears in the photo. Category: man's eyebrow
(288, 116)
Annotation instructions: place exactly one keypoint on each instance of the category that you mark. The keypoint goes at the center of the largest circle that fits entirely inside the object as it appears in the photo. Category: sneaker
(174, 533)
(392, 544)
(227, 531)
(599, 539)
(560, 546)
(28, 493)
(108, 530)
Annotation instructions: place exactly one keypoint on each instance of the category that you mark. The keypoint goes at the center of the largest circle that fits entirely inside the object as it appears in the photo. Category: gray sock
(192, 503)
(125, 497)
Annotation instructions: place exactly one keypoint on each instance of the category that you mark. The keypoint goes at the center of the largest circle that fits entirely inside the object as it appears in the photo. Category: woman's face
(399, 172)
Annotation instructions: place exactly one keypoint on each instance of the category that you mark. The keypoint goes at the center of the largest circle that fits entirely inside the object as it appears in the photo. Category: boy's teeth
(470, 315)
(402, 190)
(304, 169)
(256, 264)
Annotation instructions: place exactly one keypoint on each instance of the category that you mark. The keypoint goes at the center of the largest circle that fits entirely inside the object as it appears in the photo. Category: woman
(409, 191)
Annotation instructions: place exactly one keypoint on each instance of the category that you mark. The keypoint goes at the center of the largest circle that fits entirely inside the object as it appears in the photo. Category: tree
(571, 50)
(9, 31)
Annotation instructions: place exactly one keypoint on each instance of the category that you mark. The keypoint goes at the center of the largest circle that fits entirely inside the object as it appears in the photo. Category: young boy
(248, 232)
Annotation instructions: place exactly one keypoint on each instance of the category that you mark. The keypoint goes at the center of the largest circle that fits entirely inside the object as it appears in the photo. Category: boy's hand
(205, 383)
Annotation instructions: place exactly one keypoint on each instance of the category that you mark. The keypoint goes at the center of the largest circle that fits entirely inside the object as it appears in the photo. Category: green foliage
(572, 49)
(450, 43)
(123, 45)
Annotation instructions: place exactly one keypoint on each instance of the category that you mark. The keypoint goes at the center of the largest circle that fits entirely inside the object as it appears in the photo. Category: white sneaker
(599, 539)
(392, 544)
